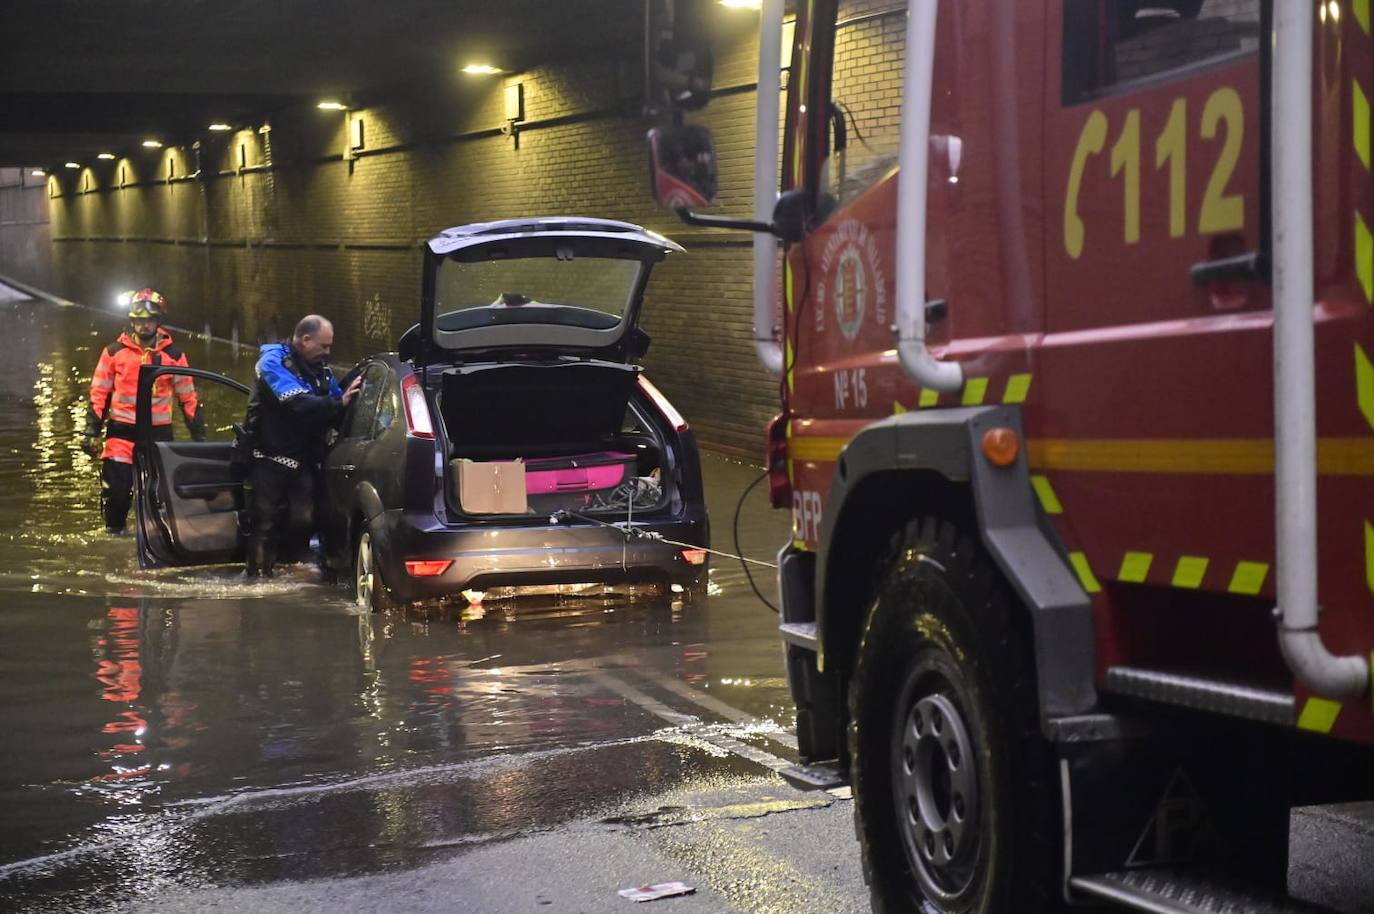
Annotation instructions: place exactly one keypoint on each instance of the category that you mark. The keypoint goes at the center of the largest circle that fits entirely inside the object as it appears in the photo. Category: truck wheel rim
(935, 781)
(363, 572)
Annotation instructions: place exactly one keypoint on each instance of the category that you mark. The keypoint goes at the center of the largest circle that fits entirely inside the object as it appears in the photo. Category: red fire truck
(1076, 355)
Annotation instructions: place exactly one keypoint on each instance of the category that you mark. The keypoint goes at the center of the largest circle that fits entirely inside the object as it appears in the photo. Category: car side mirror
(682, 166)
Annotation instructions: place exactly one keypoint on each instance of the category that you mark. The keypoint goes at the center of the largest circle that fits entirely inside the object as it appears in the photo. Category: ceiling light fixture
(38, 173)
(152, 144)
(73, 165)
(482, 69)
(106, 155)
(742, 4)
(331, 106)
(220, 128)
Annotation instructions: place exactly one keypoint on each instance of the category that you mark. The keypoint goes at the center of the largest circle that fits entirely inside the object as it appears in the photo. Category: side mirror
(682, 166)
(790, 215)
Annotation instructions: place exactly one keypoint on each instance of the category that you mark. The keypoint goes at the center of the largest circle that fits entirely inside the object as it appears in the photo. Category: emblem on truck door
(851, 279)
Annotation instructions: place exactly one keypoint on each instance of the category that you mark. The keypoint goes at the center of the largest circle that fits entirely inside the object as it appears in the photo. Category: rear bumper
(491, 556)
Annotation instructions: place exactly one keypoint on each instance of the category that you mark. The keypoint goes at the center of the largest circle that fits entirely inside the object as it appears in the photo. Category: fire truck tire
(955, 796)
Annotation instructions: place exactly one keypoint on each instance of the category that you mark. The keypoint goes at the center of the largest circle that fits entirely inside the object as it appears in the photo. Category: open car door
(187, 496)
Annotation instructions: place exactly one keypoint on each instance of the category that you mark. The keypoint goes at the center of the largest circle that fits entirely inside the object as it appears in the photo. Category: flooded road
(181, 740)
(183, 728)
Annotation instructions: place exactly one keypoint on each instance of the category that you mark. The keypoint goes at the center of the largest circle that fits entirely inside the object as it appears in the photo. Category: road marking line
(691, 724)
(711, 703)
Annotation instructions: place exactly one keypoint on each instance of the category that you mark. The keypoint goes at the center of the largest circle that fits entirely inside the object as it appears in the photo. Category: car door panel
(187, 494)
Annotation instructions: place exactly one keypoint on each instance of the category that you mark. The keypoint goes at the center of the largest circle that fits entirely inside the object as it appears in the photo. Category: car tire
(955, 799)
(369, 589)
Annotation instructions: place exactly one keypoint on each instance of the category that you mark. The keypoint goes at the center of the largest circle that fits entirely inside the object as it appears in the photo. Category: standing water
(181, 727)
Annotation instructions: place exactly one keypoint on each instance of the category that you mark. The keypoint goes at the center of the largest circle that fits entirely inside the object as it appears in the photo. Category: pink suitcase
(593, 472)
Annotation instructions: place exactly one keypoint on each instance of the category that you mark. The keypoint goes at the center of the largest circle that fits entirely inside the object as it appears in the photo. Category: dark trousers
(281, 514)
(116, 493)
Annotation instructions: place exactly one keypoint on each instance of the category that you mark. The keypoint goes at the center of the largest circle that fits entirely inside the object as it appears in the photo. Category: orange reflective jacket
(114, 391)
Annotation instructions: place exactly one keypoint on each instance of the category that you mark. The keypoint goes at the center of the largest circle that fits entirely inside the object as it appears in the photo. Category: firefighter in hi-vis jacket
(114, 393)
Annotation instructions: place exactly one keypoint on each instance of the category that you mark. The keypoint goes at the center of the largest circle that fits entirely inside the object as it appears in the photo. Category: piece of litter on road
(842, 793)
(655, 892)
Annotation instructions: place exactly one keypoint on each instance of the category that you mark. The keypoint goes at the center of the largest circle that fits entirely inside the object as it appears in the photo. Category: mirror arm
(724, 222)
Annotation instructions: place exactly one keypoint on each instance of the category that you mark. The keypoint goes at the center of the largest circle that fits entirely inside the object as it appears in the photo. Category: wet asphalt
(182, 740)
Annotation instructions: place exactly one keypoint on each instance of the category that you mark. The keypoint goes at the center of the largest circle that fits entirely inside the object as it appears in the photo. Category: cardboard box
(490, 487)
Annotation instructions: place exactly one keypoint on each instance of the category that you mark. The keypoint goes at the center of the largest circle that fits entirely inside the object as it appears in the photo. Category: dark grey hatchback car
(511, 440)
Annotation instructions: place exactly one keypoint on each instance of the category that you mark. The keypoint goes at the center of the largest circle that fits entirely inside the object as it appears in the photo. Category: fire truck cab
(1077, 433)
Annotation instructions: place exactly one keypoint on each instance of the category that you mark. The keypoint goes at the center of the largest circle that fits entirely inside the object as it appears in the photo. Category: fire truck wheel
(953, 784)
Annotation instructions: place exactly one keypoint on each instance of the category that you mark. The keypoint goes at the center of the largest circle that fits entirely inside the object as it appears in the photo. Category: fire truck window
(1113, 44)
(866, 90)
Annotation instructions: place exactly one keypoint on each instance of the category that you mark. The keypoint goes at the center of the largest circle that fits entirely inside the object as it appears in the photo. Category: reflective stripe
(1018, 386)
(125, 398)
(1361, 10)
(975, 389)
(1319, 715)
(1364, 257)
(929, 397)
(1360, 103)
(1248, 578)
(1048, 500)
(1364, 384)
(103, 382)
(1189, 571)
(1085, 572)
(1135, 567)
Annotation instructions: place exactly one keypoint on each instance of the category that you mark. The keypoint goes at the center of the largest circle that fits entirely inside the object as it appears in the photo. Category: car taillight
(427, 568)
(674, 417)
(417, 410)
(694, 556)
(779, 481)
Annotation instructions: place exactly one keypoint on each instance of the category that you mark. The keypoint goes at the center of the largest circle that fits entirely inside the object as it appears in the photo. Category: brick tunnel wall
(253, 228)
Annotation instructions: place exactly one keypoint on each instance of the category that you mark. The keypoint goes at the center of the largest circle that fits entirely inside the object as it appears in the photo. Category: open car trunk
(581, 443)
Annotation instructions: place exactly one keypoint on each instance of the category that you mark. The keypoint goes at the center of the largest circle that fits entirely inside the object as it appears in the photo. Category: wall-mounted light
(220, 128)
(38, 173)
(481, 69)
(742, 4)
(331, 105)
(107, 156)
(73, 165)
(152, 144)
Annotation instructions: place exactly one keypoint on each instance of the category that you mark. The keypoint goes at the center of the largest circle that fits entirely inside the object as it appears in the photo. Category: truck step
(802, 634)
(1186, 891)
(816, 776)
(1221, 696)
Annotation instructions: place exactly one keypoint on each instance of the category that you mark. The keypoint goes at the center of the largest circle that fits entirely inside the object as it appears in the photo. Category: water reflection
(182, 725)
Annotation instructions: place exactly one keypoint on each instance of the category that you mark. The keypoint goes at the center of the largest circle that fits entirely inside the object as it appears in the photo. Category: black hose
(739, 505)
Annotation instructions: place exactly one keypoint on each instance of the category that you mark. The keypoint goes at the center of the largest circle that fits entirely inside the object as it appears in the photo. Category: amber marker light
(1000, 446)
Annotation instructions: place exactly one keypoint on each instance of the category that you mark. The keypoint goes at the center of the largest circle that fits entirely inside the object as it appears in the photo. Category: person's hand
(352, 391)
(91, 444)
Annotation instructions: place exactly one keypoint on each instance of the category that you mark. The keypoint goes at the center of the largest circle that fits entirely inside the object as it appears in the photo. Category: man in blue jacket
(293, 405)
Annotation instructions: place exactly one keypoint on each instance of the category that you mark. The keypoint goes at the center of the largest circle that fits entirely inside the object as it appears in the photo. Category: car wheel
(369, 590)
(953, 782)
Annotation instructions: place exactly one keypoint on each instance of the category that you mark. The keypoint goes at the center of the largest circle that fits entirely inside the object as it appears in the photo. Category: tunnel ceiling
(78, 77)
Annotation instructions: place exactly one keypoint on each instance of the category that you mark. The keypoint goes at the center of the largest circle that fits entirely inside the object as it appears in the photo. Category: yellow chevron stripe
(1364, 257)
(1248, 578)
(929, 397)
(1360, 123)
(1364, 384)
(1189, 572)
(1018, 386)
(1319, 715)
(1045, 492)
(975, 389)
(1085, 572)
(1135, 566)
(1361, 10)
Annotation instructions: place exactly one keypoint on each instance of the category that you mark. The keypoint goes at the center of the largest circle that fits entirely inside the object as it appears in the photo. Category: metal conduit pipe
(913, 159)
(766, 186)
(1295, 439)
